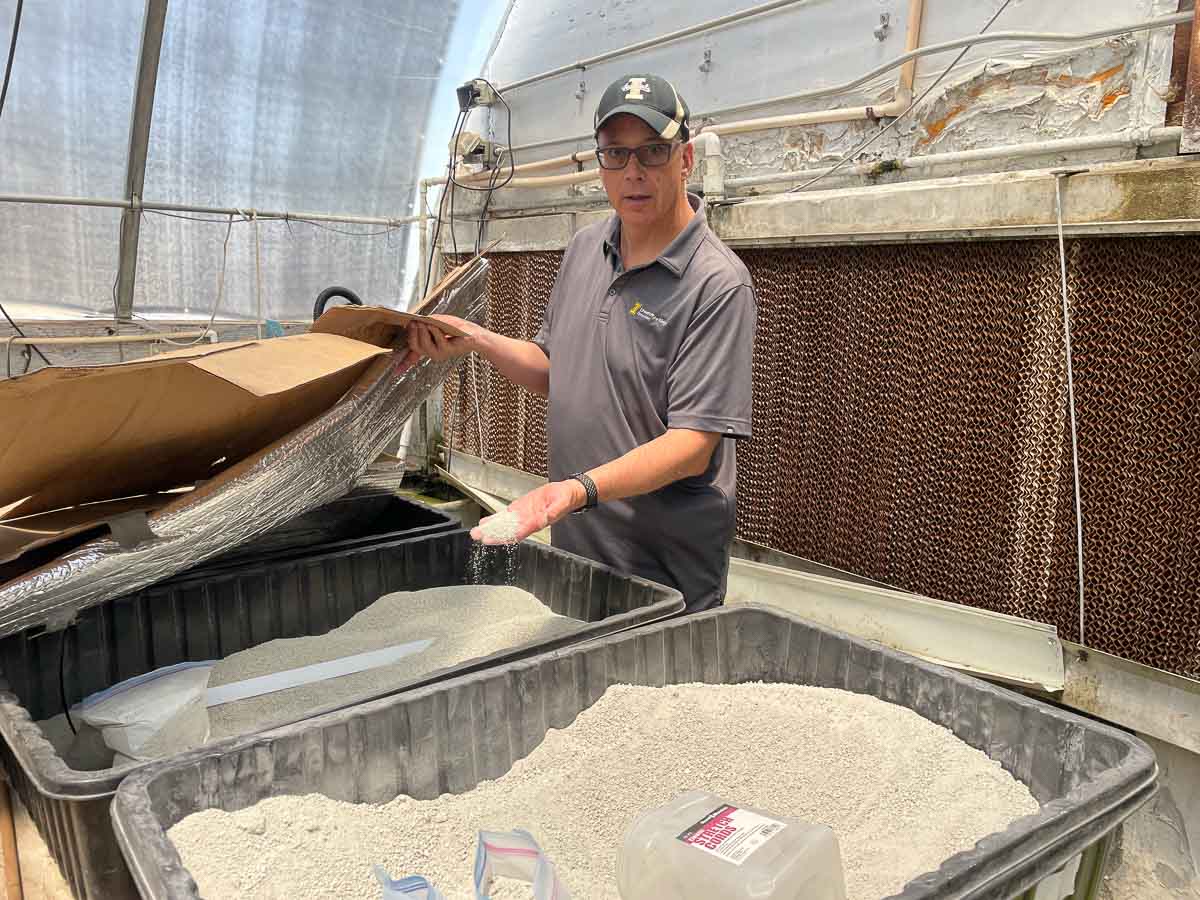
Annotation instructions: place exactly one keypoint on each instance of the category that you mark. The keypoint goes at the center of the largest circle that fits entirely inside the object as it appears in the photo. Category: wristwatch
(589, 486)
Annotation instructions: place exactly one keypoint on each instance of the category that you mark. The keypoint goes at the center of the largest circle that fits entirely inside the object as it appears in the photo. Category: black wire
(20, 333)
(452, 183)
(512, 165)
(12, 53)
(437, 222)
(62, 678)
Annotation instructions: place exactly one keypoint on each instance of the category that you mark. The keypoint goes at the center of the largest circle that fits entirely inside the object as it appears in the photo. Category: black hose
(62, 678)
(330, 292)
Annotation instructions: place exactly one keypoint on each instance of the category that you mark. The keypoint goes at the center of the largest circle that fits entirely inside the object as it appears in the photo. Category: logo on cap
(636, 89)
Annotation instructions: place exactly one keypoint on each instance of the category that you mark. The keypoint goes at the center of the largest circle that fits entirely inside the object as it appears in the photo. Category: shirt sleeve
(709, 385)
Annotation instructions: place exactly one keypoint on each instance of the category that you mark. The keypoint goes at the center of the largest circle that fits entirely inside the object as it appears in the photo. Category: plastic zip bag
(515, 854)
(414, 887)
(510, 854)
(156, 714)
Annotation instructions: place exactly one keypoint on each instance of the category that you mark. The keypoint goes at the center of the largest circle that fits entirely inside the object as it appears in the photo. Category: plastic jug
(698, 846)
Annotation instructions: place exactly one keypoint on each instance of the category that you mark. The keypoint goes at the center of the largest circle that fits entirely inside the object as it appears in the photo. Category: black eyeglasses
(649, 155)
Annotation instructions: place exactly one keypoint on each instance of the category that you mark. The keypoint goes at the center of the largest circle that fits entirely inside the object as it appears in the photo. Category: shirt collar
(679, 252)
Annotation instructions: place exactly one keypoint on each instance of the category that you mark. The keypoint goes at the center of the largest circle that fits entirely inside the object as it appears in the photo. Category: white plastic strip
(290, 678)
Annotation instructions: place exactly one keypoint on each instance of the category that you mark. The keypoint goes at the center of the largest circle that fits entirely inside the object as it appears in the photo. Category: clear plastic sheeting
(312, 466)
(65, 128)
(57, 261)
(295, 104)
(179, 266)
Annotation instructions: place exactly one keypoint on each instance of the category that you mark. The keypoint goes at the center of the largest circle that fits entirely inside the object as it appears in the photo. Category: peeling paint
(1058, 100)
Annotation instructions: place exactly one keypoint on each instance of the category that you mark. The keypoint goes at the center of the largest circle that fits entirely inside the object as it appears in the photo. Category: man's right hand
(427, 341)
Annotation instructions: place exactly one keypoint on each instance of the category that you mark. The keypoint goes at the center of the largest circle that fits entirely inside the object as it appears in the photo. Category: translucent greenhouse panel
(298, 105)
(179, 265)
(57, 261)
(65, 128)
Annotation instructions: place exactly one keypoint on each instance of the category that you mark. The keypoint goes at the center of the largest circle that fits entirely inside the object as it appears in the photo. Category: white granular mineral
(463, 622)
(502, 527)
(901, 793)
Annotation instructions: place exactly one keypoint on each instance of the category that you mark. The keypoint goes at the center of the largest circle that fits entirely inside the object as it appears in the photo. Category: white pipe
(818, 117)
(108, 338)
(52, 200)
(916, 53)
(712, 165)
(1143, 137)
(577, 158)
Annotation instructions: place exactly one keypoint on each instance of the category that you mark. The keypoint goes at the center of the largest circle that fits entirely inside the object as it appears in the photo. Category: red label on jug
(731, 834)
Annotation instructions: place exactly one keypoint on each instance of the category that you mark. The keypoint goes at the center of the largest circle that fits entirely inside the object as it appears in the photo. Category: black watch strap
(589, 486)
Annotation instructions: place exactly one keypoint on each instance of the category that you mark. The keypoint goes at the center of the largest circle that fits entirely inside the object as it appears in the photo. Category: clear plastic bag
(508, 854)
(414, 887)
(156, 714)
(515, 854)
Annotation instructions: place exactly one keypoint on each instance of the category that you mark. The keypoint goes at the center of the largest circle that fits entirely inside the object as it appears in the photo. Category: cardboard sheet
(363, 322)
(74, 435)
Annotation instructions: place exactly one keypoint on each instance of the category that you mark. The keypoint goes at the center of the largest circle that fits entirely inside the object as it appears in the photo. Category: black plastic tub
(1087, 776)
(360, 518)
(203, 617)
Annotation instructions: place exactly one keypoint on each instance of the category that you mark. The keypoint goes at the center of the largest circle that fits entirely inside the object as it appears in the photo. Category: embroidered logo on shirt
(640, 312)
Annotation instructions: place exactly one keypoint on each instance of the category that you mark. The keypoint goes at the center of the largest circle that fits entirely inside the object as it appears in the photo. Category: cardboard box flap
(363, 322)
(70, 436)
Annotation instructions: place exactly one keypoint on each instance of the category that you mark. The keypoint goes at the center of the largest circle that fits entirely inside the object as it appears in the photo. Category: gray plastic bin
(1086, 775)
(361, 518)
(210, 616)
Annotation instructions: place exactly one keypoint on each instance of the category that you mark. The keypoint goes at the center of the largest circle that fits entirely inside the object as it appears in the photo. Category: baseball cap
(652, 99)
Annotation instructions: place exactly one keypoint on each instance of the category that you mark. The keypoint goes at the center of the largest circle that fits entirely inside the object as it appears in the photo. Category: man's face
(643, 195)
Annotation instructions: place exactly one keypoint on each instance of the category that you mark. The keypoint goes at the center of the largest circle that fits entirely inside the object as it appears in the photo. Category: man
(645, 354)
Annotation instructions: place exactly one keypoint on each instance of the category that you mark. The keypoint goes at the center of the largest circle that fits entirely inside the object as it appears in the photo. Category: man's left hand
(540, 509)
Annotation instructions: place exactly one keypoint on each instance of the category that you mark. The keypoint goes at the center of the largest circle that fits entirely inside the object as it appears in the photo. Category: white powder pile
(463, 621)
(83, 750)
(901, 793)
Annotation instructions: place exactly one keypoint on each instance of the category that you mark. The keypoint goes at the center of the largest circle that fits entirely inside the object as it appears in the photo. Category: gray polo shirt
(665, 345)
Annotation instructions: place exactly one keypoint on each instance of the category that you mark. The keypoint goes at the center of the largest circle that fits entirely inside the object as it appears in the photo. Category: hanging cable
(220, 290)
(8, 66)
(437, 222)
(512, 165)
(62, 678)
(851, 155)
(12, 53)
(1059, 175)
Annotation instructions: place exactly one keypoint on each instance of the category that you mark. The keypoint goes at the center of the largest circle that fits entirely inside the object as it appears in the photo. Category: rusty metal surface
(1190, 141)
(910, 424)
(1180, 54)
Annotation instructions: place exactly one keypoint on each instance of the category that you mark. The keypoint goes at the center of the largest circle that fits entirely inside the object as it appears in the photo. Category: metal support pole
(153, 23)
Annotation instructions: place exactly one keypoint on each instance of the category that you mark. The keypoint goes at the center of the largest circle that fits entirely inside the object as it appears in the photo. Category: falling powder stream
(485, 558)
